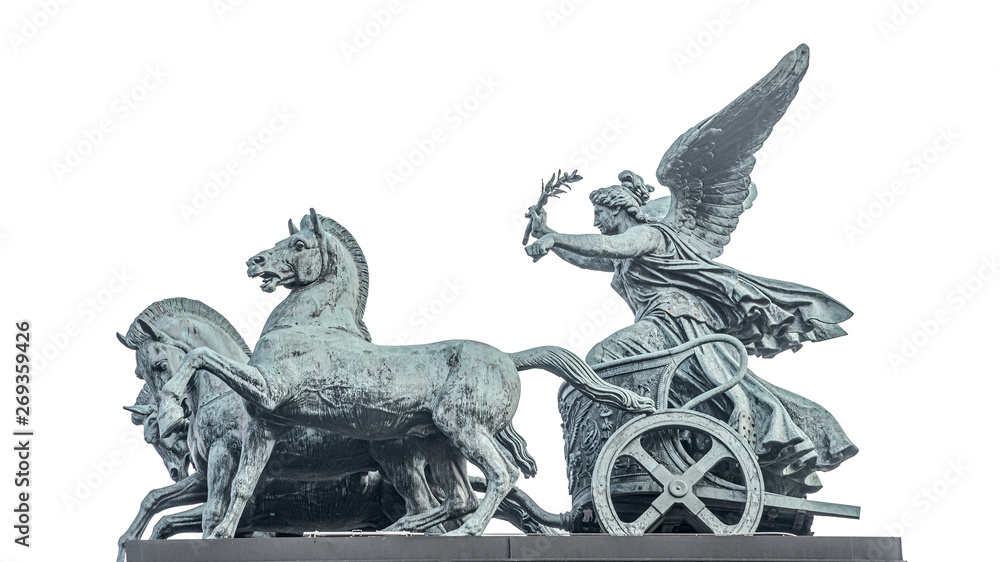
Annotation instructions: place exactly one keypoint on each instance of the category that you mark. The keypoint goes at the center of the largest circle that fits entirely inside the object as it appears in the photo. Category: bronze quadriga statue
(666, 430)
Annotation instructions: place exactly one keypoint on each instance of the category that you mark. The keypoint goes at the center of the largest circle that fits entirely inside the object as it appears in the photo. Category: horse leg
(258, 442)
(480, 448)
(404, 466)
(221, 466)
(246, 380)
(188, 491)
(449, 480)
(184, 522)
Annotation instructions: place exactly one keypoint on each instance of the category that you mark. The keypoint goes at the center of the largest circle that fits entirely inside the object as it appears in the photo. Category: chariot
(680, 469)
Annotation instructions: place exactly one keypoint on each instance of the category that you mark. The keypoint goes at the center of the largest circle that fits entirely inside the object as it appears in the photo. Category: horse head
(166, 331)
(157, 355)
(173, 449)
(305, 257)
(320, 250)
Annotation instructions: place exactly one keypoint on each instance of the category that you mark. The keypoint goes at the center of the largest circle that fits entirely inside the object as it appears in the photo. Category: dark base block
(536, 547)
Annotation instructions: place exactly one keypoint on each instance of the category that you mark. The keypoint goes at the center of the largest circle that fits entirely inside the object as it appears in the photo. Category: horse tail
(518, 448)
(521, 511)
(566, 365)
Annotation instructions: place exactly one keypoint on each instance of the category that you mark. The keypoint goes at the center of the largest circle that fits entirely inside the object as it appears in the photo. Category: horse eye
(300, 245)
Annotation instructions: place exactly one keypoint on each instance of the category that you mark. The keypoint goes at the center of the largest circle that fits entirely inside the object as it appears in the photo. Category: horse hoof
(464, 531)
(171, 418)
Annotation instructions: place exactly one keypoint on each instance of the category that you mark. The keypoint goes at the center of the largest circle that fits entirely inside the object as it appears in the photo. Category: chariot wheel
(681, 485)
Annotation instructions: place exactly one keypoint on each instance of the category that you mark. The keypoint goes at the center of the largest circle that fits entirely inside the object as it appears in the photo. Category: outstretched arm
(634, 242)
(540, 229)
(597, 264)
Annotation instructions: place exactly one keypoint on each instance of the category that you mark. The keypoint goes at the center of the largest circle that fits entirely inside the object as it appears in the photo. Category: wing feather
(707, 169)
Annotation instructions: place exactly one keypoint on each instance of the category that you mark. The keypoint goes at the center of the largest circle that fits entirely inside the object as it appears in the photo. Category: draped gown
(677, 295)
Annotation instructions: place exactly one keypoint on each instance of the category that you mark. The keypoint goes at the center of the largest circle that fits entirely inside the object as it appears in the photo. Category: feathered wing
(707, 169)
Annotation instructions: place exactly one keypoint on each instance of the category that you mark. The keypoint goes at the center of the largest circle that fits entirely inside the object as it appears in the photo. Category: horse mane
(345, 237)
(180, 306)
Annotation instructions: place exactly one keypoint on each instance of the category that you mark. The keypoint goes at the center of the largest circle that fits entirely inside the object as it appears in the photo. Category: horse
(167, 329)
(160, 336)
(360, 501)
(186, 489)
(363, 500)
(174, 450)
(315, 365)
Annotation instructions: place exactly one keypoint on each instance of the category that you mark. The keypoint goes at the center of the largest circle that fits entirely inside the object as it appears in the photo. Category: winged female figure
(661, 252)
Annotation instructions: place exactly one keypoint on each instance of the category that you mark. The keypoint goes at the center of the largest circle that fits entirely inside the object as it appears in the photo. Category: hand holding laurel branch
(550, 189)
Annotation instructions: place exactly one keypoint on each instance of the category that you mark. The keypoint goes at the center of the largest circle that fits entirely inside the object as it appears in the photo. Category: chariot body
(680, 469)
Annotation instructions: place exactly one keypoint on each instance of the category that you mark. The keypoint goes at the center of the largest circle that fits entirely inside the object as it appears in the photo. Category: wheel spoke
(652, 515)
(708, 520)
(652, 466)
(682, 477)
(698, 470)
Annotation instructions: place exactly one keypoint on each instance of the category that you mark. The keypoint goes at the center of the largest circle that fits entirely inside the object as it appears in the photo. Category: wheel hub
(678, 488)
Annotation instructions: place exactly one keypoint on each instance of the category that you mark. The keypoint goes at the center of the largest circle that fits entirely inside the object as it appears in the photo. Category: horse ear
(291, 227)
(150, 331)
(321, 239)
(141, 409)
(140, 413)
(121, 338)
(314, 220)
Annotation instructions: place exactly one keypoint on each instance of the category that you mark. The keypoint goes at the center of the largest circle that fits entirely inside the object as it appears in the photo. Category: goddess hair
(630, 195)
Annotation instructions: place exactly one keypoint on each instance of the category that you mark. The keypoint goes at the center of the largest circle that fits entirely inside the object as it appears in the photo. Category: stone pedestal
(536, 547)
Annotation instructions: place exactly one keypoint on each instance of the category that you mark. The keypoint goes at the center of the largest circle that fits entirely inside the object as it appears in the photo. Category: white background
(887, 80)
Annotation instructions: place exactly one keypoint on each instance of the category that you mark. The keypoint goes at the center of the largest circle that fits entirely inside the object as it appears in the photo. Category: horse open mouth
(271, 281)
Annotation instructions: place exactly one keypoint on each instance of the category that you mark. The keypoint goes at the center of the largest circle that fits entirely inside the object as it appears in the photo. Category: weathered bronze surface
(660, 252)
(665, 428)
(315, 366)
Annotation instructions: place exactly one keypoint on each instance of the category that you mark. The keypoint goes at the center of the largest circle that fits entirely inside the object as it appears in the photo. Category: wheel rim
(678, 489)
